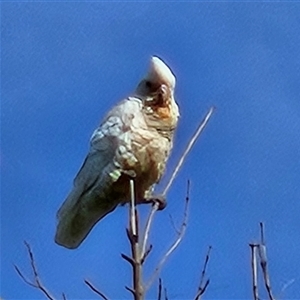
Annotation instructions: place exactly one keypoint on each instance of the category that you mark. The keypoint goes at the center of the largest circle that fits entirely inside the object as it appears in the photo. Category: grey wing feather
(87, 203)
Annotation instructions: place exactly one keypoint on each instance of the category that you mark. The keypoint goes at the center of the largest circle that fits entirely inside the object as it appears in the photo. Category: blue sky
(65, 64)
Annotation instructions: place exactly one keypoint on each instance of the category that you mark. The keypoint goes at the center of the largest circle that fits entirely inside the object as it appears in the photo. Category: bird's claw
(157, 199)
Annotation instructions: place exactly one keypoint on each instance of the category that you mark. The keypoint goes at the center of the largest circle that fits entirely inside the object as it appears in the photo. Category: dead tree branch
(262, 252)
(254, 270)
(159, 289)
(36, 282)
(166, 294)
(203, 284)
(154, 209)
(258, 254)
(199, 130)
(95, 290)
(136, 259)
(176, 242)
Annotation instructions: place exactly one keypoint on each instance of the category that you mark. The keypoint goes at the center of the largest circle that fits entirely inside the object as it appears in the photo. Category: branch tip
(127, 258)
(95, 290)
(130, 290)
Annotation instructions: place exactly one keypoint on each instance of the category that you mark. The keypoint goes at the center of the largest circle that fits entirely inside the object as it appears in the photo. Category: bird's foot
(159, 199)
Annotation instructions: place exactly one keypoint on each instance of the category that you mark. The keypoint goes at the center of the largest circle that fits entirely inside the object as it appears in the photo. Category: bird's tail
(77, 216)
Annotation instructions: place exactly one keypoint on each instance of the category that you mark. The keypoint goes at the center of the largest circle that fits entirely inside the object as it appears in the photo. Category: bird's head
(159, 76)
(156, 90)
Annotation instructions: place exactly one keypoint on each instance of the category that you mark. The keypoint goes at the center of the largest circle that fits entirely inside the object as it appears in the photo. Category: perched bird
(133, 141)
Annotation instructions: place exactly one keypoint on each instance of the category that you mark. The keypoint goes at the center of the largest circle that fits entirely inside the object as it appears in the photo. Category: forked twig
(95, 290)
(203, 285)
(202, 290)
(36, 283)
(188, 148)
(173, 224)
(258, 252)
(176, 242)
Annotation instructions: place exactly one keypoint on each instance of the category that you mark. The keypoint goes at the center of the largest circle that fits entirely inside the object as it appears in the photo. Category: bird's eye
(148, 84)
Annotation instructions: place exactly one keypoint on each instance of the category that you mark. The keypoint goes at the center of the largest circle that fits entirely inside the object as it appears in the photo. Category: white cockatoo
(133, 141)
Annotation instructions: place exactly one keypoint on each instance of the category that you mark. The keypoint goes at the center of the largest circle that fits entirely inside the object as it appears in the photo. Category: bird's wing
(92, 197)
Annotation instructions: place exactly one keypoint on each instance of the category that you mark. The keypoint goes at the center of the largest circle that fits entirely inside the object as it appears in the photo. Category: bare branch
(286, 285)
(188, 148)
(173, 224)
(154, 209)
(95, 290)
(36, 277)
(146, 254)
(175, 244)
(159, 289)
(23, 277)
(127, 258)
(205, 266)
(254, 271)
(166, 295)
(202, 290)
(130, 236)
(202, 286)
(264, 267)
(135, 261)
(132, 208)
(130, 290)
(36, 283)
(262, 233)
(262, 252)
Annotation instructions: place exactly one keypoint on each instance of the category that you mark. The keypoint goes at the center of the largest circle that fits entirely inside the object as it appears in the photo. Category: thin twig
(154, 209)
(205, 266)
(188, 148)
(36, 283)
(202, 290)
(159, 289)
(95, 290)
(23, 277)
(127, 258)
(173, 224)
(254, 270)
(286, 285)
(130, 290)
(166, 295)
(175, 244)
(262, 233)
(202, 286)
(148, 250)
